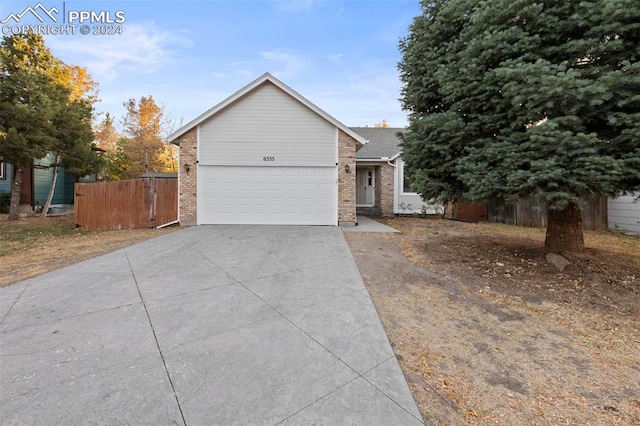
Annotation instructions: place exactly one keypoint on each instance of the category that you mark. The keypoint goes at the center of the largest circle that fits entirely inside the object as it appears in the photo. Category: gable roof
(383, 142)
(266, 77)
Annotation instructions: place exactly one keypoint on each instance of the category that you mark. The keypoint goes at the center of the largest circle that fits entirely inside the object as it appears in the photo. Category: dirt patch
(35, 245)
(487, 332)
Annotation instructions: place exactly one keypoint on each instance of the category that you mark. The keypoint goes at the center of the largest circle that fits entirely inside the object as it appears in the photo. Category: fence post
(148, 202)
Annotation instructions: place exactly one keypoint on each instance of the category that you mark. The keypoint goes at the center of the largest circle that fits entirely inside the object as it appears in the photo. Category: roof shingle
(383, 142)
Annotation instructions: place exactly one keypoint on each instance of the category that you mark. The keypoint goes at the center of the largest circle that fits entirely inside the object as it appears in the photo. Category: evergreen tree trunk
(564, 230)
(16, 191)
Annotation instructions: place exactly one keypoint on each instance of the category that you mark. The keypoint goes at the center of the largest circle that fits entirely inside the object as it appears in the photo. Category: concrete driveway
(206, 325)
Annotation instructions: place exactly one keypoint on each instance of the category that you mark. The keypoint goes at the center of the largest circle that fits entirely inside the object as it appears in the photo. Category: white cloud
(288, 65)
(140, 49)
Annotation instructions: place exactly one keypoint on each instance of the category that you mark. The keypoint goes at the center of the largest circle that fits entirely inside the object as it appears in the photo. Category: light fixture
(187, 167)
(347, 168)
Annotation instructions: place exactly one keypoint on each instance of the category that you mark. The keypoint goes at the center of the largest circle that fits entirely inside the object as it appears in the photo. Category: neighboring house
(382, 187)
(5, 186)
(624, 213)
(267, 155)
(36, 182)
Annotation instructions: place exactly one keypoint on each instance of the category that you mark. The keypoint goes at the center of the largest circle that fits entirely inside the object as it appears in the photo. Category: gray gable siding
(267, 123)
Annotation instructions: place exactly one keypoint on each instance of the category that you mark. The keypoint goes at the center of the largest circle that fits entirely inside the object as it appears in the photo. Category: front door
(365, 186)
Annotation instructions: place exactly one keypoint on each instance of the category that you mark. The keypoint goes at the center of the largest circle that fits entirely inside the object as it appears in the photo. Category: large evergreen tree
(510, 99)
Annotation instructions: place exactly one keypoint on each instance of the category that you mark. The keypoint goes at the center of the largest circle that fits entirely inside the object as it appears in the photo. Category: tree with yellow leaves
(143, 129)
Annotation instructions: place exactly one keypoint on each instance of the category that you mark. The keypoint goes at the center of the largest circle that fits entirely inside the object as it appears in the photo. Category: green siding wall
(42, 177)
(5, 183)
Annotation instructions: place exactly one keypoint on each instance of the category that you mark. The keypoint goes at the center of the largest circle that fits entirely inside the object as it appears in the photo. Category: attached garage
(266, 155)
(267, 195)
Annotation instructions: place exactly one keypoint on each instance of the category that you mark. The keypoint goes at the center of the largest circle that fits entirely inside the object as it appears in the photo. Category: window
(406, 181)
(406, 185)
(2, 171)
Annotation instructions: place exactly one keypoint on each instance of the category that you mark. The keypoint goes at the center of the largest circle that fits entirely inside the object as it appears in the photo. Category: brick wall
(385, 188)
(187, 214)
(346, 181)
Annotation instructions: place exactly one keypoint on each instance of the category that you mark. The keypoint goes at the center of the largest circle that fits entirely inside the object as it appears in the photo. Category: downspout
(167, 224)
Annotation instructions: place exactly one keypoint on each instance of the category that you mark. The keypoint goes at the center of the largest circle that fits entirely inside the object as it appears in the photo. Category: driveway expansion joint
(155, 338)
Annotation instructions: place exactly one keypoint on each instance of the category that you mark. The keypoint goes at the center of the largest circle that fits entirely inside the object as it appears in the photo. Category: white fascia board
(379, 160)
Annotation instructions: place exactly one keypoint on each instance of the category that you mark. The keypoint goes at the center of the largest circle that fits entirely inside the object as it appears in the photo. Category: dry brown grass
(488, 333)
(35, 245)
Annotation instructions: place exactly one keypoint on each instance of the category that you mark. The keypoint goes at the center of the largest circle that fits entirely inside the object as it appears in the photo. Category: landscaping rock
(559, 262)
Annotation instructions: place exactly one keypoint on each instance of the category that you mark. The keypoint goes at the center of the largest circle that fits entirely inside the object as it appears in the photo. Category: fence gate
(126, 204)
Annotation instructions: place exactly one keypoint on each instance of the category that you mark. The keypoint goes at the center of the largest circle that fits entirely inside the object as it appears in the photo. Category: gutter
(389, 160)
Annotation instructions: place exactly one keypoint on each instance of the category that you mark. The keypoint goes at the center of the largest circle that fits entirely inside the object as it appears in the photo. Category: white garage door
(267, 195)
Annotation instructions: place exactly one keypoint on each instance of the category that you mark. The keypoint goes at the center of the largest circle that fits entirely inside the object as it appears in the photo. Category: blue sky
(190, 55)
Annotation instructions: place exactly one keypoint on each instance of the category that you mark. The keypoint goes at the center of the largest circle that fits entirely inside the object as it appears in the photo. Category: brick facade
(385, 187)
(346, 180)
(188, 212)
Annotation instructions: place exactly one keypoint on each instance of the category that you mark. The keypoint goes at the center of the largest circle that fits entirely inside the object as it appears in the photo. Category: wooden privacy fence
(126, 204)
(533, 212)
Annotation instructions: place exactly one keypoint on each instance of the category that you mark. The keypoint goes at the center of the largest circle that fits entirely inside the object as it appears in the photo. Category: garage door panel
(267, 195)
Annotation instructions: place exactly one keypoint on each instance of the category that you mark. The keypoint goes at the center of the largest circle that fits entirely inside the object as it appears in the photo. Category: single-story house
(382, 187)
(267, 155)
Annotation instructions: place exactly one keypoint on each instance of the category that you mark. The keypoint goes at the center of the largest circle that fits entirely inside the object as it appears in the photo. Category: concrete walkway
(366, 224)
(204, 326)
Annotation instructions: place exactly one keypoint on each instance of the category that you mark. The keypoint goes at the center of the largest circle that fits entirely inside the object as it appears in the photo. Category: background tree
(80, 83)
(144, 143)
(72, 148)
(105, 134)
(169, 158)
(45, 106)
(117, 162)
(383, 124)
(28, 103)
(510, 99)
